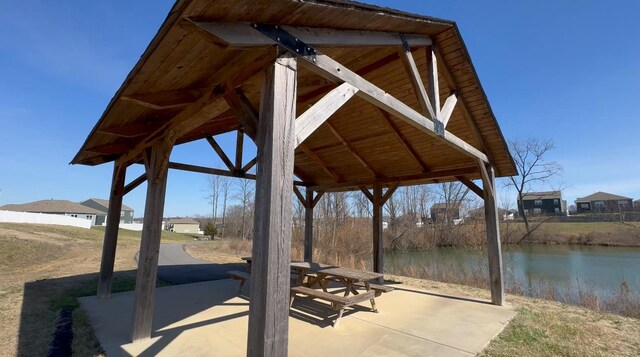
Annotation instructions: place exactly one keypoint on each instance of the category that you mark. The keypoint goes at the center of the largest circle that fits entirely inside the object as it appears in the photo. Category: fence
(43, 218)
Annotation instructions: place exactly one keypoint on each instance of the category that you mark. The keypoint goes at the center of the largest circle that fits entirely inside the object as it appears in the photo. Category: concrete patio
(210, 319)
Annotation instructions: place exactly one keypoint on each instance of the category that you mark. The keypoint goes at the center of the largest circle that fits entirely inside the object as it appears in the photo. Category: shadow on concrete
(43, 300)
(453, 297)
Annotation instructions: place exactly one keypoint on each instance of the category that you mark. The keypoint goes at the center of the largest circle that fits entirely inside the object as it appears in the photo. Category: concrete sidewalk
(208, 319)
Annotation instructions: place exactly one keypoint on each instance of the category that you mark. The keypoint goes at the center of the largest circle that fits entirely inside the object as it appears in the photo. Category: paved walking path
(177, 267)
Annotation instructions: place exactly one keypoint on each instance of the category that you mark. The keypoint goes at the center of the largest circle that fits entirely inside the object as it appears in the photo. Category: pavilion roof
(357, 146)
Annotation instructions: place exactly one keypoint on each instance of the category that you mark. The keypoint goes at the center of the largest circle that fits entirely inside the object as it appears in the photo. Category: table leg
(372, 300)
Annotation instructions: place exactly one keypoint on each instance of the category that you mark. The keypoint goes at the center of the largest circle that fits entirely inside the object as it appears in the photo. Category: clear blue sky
(556, 69)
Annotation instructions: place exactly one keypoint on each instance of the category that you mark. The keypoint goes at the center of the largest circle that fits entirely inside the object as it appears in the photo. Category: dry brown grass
(43, 267)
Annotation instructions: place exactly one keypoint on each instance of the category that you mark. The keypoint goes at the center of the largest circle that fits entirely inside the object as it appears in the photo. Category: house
(126, 213)
(60, 207)
(505, 214)
(445, 212)
(182, 225)
(636, 204)
(543, 203)
(603, 202)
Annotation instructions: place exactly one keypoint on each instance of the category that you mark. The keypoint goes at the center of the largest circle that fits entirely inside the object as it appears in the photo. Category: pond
(570, 269)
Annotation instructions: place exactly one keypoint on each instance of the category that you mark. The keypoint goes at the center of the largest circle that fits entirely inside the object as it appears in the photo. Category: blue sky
(551, 69)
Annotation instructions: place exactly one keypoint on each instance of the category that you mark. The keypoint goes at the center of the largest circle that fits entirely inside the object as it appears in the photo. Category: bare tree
(225, 184)
(213, 186)
(245, 194)
(533, 168)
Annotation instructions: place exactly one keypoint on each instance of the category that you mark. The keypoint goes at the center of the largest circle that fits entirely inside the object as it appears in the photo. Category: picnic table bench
(322, 274)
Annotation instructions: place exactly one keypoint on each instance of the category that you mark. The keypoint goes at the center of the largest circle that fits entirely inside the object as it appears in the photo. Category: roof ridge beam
(238, 34)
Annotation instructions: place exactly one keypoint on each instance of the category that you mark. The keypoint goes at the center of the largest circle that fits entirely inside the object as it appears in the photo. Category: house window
(74, 215)
(526, 212)
(121, 213)
(537, 211)
(599, 204)
(89, 216)
(584, 205)
(538, 202)
(623, 205)
(556, 201)
(557, 210)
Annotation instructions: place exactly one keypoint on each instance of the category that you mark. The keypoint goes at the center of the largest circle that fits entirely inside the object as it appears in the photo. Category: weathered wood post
(156, 161)
(378, 235)
(270, 272)
(308, 226)
(493, 234)
(111, 231)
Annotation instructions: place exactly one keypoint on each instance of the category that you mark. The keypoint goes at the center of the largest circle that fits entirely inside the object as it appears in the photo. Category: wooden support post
(378, 237)
(270, 272)
(493, 236)
(156, 160)
(308, 226)
(111, 231)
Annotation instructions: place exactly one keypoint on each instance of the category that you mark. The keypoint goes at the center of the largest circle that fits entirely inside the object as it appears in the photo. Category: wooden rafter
(312, 118)
(388, 193)
(302, 199)
(239, 149)
(447, 108)
(401, 180)
(404, 142)
(432, 79)
(319, 161)
(416, 80)
(244, 111)
(333, 70)
(249, 165)
(461, 104)
(165, 99)
(208, 170)
(352, 150)
(367, 193)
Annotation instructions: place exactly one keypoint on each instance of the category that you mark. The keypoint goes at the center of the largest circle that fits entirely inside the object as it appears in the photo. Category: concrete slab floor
(209, 319)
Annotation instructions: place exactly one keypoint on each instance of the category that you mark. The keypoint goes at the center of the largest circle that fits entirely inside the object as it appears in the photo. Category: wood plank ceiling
(358, 144)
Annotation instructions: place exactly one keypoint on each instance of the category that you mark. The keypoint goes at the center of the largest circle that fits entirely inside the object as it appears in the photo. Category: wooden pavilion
(337, 95)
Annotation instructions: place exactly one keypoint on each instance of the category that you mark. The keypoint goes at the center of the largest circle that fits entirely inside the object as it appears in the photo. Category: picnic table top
(326, 269)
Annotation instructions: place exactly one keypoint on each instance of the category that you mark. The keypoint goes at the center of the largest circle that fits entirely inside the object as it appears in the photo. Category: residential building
(543, 203)
(61, 207)
(445, 212)
(182, 225)
(603, 202)
(126, 213)
(636, 204)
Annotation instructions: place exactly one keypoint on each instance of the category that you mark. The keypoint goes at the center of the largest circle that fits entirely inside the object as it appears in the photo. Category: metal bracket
(405, 44)
(286, 40)
(438, 127)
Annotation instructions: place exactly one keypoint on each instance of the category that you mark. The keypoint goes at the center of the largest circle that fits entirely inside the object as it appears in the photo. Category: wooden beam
(249, 165)
(404, 142)
(387, 195)
(484, 174)
(208, 170)
(165, 99)
(378, 235)
(332, 70)
(416, 80)
(239, 149)
(133, 130)
(308, 226)
(352, 150)
(135, 183)
(447, 108)
(111, 231)
(432, 79)
(496, 282)
(466, 114)
(300, 196)
(244, 111)
(270, 268)
(312, 118)
(316, 199)
(218, 149)
(367, 193)
(319, 161)
(236, 34)
(471, 185)
(156, 160)
(401, 180)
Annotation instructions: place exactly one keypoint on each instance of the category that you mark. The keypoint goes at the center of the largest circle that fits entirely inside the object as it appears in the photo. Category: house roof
(181, 68)
(542, 195)
(601, 196)
(105, 204)
(51, 206)
(182, 221)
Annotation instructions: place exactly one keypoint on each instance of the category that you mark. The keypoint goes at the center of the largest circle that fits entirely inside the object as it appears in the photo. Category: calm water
(570, 268)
